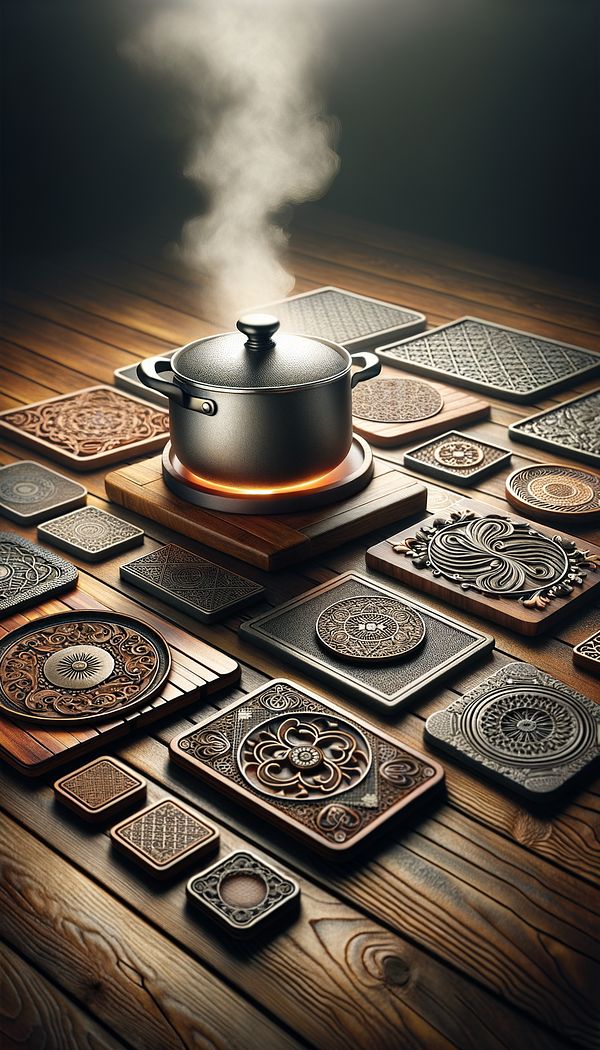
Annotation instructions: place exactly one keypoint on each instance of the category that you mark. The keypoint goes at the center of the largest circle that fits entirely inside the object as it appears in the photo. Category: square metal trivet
(165, 836)
(100, 789)
(481, 355)
(191, 584)
(91, 534)
(289, 631)
(30, 492)
(571, 429)
(522, 728)
(29, 573)
(243, 894)
(440, 458)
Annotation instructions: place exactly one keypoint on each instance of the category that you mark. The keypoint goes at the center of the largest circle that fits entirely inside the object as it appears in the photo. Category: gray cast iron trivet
(457, 458)
(91, 534)
(571, 429)
(29, 573)
(30, 492)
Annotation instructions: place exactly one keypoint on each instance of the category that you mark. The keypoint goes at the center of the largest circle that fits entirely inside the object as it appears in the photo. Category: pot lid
(254, 359)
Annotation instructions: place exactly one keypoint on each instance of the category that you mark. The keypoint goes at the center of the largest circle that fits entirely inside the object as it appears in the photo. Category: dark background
(475, 121)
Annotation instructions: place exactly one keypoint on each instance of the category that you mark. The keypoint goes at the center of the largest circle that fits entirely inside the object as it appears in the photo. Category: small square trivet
(165, 837)
(91, 534)
(522, 728)
(192, 584)
(457, 458)
(29, 574)
(243, 894)
(587, 653)
(100, 789)
(290, 631)
(30, 492)
(306, 765)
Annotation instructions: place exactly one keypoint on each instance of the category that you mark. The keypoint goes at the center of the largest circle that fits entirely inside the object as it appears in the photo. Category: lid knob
(259, 328)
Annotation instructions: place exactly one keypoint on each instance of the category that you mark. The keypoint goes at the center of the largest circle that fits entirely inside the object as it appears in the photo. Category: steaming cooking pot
(251, 412)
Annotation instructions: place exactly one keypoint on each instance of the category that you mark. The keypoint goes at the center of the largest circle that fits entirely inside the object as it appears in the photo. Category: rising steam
(260, 138)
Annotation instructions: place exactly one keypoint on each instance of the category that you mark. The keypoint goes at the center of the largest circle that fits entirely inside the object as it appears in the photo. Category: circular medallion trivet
(396, 400)
(550, 490)
(370, 627)
(74, 668)
(458, 453)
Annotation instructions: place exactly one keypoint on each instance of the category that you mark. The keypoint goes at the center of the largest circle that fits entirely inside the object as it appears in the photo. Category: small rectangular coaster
(499, 566)
(457, 458)
(192, 584)
(89, 428)
(522, 728)
(30, 574)
(306, 765)
(91, 534)
(570, 429)
(290, 631)
(165, 837)
(586, 654)
(505, 362)
(100, 789)
(30, 492)
(244, 894)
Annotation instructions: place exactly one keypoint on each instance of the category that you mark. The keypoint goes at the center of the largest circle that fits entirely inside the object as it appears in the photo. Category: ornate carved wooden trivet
(165, 837)
(190, 583)
(370, 628)
(90, 428)
(587, 653)
(100, 789)
(571, 429)
(74, 668)
(515, 365)
(306, 765)
(523, 728)
(457, 458)
(29, 573)
(396, 400)
(91, 534)
(500, 566)
(289, 631)
(243, 893)
(554, 492)
(30, 492)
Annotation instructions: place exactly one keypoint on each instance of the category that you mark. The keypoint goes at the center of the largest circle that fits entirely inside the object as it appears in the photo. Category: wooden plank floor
(475, 925)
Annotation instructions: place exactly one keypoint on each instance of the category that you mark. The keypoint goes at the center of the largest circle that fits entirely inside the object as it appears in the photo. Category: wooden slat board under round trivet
(89, 428)
(522, 728)
(552, 492)
(499, 566)
(571, 429)
(197, 671)
(304, 764)
(270, 541)
(439, 408)
(501, 361)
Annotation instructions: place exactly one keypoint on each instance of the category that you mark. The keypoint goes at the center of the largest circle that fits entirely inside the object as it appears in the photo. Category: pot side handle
(371, 367)
(149, 373)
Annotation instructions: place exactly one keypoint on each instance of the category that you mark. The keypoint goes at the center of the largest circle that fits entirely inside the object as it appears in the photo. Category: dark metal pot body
(260, 437)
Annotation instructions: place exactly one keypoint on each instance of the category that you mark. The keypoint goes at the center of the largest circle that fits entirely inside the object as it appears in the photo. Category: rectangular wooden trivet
(197, 671)
(270, 541)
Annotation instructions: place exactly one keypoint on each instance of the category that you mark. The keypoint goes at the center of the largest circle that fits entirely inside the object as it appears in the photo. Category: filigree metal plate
(90, 428)
(30, 492)
(587, 653)
(91, 534)
(190, 583)
(515, 365)
(396, 400)
(75, 668)
(570, 429)
(306, 765)
(523, 728)
(458, 458)
(368, 628)
(555, 492)
(289, 632)
(243, 893)
(165, 836)
(29, 573)
(100, 789)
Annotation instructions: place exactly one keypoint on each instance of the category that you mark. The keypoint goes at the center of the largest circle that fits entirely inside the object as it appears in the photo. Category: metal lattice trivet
(164, 832)
(370, 628)
(29, 572)
(572, 428)
(90, 530)
(396, 401)
(340, 316)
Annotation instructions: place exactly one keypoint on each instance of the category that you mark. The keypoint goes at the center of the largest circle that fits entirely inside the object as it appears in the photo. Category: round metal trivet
(554, 492)
(396, 400)
(456, 453)
(76, 668)
(370, 628)
(531, 726)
